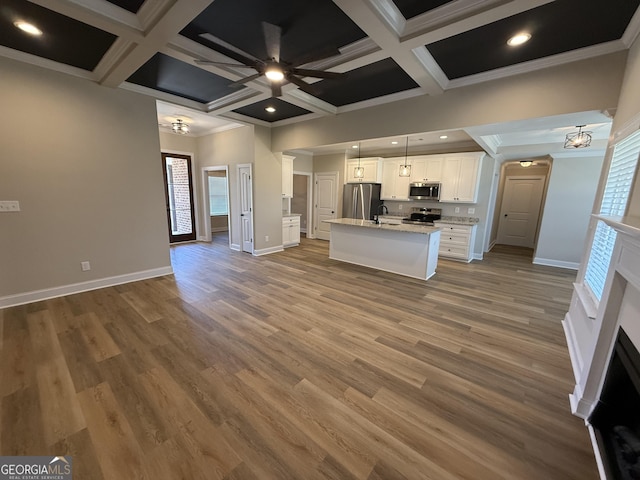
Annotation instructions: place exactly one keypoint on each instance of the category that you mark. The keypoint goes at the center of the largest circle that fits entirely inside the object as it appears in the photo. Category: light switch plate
(457, 210)
(9, 206)
(471, 210)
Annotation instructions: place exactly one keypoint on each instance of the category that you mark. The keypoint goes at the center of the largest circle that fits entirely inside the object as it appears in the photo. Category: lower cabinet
(290, 231)
(456, 241)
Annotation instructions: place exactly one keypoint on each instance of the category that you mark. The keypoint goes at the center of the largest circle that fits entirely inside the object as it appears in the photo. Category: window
(218, 194)
(614, 202)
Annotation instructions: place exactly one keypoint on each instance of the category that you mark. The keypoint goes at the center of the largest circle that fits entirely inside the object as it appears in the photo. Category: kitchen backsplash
(404, 209)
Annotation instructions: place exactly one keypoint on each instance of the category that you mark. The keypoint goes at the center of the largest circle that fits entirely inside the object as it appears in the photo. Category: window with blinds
(614, 202)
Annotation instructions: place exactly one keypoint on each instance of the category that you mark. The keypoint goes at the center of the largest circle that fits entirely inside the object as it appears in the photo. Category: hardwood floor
(294, 366)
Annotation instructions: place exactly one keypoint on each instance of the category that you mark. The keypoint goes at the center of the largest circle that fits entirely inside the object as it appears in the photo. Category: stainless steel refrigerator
(361, 200)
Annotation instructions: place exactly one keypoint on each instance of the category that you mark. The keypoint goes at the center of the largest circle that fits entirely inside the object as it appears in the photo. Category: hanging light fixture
(358, 172)
(180, 127)
(405, 170)
(578, 139)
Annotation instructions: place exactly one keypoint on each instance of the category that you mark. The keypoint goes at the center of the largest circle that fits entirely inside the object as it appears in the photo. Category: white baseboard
(266, 251)
(39, 295)
(556, 263)
(235, 246)
(478, 256)
(219, 229)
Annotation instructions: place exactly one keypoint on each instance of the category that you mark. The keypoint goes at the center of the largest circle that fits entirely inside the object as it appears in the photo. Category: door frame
(194, 206)
(240, 246)
(543, 180)
(310, 191)
(336, 175)
(205, 200)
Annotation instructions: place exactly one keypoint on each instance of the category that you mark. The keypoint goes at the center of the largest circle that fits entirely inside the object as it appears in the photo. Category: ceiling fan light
(274, 74)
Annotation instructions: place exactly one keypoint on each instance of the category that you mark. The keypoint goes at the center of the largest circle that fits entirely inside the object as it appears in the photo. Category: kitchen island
(410, 250)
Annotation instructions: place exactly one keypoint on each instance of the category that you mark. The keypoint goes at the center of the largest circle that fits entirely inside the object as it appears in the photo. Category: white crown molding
(166, 97)
(235, 100)
(45, 63)
(389, 14)
(299, 118)
(150, 12)
(309, 102)
(580, 152)
(238, 117)
(633, 29)
(534, 65)
(431, 66)
(118, 50)
(373, 102)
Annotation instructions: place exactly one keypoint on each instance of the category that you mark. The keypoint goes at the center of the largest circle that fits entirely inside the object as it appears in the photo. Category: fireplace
(616, 417)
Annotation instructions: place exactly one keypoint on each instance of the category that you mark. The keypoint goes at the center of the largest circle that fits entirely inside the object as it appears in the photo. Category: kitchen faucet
(375, 217)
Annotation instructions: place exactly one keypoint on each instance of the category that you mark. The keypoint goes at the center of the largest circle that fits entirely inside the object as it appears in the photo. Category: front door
(246, 207)
(520, 211)
(178, 190)
(326, 203)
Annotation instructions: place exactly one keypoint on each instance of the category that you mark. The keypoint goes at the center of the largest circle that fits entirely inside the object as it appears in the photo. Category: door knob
(505, 214)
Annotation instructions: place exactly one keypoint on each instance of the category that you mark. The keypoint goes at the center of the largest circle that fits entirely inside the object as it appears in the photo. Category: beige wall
(84, 162)
(231, 147)
(592, 84)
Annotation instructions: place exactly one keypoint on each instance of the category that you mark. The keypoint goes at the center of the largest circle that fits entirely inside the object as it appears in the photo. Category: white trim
(206, 225)
(572, 346)
(556, 263)
(235, 247)
(596, 450)
(266, 251)
(39, 295)
(477, 256)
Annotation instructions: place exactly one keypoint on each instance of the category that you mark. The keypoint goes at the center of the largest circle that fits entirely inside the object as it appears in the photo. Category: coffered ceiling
(387, 49)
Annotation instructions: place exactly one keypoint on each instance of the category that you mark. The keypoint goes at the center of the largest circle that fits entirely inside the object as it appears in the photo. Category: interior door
(178, 189)
(246, 207)
(326, 203)
(520, 211)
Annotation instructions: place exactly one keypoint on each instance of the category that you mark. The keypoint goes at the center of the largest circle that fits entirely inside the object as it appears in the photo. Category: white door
(326, 203)
(520, 211)
(246, 207)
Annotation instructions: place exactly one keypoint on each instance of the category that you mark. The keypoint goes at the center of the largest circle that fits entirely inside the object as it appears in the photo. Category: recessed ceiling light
(442, 137)
(519, 39)
(394, 143)
(29, 28)
(354, 146)
(270, 109)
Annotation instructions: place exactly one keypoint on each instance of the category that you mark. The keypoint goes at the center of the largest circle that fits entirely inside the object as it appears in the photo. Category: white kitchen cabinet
(291, 231)
(456, 241)
(426, 168)
(372, 170)
(460, 177)
(394, 187)
(287, 176)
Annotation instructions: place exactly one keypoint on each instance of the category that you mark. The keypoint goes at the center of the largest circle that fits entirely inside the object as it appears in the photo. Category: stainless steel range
(423, 216)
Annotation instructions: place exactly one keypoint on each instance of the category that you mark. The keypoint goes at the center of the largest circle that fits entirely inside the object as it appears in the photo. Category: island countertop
(397, 227)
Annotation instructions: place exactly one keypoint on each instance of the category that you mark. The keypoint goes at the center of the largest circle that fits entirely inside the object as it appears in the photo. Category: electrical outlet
(9, 206)
(471, 210)
(457, 210)
(400, 207)
(86, 266)
(266, 238)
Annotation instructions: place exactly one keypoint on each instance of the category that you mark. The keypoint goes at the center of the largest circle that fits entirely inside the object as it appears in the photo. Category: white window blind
(614, 202)
(218, 196)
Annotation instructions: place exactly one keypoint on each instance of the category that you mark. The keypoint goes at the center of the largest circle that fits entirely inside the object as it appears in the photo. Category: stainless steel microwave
(424, 191)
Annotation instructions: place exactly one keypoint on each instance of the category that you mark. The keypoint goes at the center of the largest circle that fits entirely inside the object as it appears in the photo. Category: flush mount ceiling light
(519, 39)
(270, 109)
(405, 170)
(180, 127)
(578, 139)
(526, 163)
(394, 143)
(443, 137)
(29, 28)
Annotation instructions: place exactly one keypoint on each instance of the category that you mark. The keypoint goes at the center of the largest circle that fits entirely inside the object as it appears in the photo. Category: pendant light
(180, 127)
(405, 170)
(578, 139)
(358, 172)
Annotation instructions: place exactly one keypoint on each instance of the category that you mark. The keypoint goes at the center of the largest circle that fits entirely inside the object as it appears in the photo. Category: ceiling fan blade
(302, 85)
(315, 73)
(223, 64)
(272, 37)
(276, 89)
(244, 56)
(242, 81)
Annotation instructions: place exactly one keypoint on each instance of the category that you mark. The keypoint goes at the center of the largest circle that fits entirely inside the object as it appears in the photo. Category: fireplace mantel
(591, 332)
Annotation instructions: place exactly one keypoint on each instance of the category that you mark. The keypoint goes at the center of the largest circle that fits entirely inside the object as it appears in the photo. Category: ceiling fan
(274, 69)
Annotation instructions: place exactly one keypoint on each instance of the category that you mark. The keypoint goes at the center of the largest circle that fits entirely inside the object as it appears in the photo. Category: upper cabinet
(426, 168)
(460, 177)
(371, 169)
(394, 187)
(287, 176)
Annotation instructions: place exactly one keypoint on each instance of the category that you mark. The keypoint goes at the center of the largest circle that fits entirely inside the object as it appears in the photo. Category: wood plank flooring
(294, 366)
